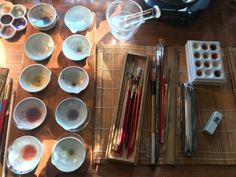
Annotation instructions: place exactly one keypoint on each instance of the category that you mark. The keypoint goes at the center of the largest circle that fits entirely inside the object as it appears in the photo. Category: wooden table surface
(217, 23)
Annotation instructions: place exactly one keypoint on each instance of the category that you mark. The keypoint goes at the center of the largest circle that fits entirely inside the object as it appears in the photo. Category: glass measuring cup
(125, 17)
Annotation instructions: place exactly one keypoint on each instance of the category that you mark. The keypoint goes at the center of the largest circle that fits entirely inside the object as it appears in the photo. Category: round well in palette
(5, 7)
(8, 32)
(217, 73)
(18, 10)
(198, 63)
(214, 56)
(197, 55)
(199, 73)
(205, 47)
(205, 55)
(6, 19)
(213, 47)
(19, 23)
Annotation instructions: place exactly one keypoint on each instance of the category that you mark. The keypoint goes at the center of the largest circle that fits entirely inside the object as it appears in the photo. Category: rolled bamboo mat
(217, 149)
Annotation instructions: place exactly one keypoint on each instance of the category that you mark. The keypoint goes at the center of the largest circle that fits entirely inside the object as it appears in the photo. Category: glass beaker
(125, 17)
(114, 15)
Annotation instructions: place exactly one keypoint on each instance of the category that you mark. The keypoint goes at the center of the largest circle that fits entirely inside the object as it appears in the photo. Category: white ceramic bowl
(42, 16)
(76, 47)
(24, 154)
(73, 79)
(78, 18)
(29, 113)
(71, 113)
(68, 154)
(39, 46)
(34, 78)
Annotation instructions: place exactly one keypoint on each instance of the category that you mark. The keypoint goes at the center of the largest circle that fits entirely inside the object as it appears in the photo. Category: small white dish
(42, 15)
(76, 47)
(78, 19)
(68, 154)
(71, 113)
(35, 78)
(24, 154)
(29, 113)
(73, 79)
(39, 46)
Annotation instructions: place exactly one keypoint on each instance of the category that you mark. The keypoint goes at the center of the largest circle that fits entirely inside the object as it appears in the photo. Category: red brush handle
(132, 142)
(3, 115)
(125, 125)
(132, 127)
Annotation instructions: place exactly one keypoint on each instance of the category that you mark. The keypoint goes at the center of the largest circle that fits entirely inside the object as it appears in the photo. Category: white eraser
(212, 123)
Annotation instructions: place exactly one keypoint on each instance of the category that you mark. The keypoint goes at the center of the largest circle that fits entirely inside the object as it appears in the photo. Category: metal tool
(189, 117)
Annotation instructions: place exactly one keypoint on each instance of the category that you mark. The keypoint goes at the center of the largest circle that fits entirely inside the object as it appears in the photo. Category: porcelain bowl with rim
(42, 15)
(39, 46)
(71, 113)
(73, 79)
(29, 113)
(24, 154)
(76, 47)
(78, 19)
(68, 154)
(35, 78)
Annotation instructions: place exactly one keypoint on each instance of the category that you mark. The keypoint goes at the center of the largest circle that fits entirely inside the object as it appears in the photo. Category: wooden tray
(49, 132)
(131, 62)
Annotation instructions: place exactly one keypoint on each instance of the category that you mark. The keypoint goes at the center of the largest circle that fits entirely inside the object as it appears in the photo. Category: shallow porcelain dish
(68, 154)
(73, 79)
(76, 47)
(34, 78)
(71, 113)
(78, 19)
(29, 113)
(42, 15)
(24, 154)
(39, 46)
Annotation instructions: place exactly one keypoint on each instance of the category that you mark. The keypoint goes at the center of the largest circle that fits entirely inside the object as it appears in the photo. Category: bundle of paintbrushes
(124, 136)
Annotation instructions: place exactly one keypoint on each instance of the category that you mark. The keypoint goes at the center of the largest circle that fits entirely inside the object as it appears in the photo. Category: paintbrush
(153, 92)
(3, 77)
(5, 104)
(4, 170)
(139, 94)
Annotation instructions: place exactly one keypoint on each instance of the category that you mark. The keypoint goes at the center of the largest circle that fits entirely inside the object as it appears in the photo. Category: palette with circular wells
(205, 62)
(12, 19)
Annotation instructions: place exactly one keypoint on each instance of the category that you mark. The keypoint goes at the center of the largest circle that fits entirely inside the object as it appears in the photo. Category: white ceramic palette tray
(204, 62)
(12, 19)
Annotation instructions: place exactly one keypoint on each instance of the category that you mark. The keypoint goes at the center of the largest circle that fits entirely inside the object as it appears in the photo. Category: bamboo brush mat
(216, 149)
